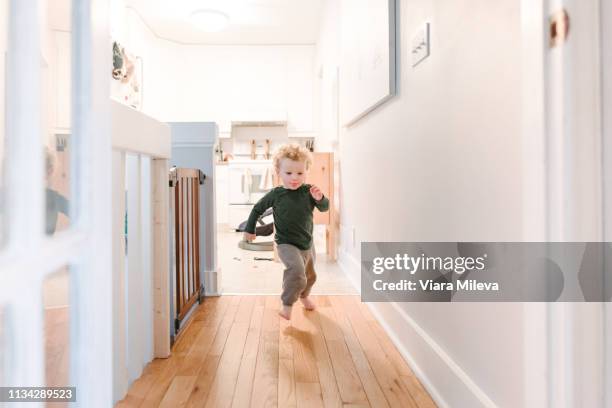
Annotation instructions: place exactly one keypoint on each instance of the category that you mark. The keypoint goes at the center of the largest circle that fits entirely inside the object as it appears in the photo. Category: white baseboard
(445, 381)
(211, 282)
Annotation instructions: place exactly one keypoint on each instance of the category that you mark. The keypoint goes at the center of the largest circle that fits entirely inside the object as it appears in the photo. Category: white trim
(466, 392)
(63, 249)
(135, 132)
(574, 179)
(135, 273)
(606, 58)
(24, 131)
(120, 372)
(211, 280)
(93, 321)
(608, 355)
(25, 200)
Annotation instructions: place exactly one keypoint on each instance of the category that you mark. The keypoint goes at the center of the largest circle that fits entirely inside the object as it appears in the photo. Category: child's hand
(249, 237)
(316, 193)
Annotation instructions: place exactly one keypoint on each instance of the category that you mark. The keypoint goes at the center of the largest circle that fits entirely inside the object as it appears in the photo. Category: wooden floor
(237, 352)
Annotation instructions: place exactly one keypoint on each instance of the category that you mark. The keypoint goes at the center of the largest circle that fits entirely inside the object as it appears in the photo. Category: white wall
(442, 162)
(219, 83)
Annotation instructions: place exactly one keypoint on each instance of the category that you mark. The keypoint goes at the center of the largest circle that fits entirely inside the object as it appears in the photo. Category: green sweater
(292, 214)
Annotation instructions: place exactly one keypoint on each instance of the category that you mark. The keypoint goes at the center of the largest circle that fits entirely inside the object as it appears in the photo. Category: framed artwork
(127, 77)
(367, 72)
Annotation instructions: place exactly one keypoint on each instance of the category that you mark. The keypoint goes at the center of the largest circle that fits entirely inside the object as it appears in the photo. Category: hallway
(238, 352)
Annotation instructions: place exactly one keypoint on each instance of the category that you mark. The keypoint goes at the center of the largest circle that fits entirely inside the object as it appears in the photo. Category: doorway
(239, 186)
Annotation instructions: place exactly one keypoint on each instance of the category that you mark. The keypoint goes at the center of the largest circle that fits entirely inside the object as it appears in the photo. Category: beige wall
(441, 161)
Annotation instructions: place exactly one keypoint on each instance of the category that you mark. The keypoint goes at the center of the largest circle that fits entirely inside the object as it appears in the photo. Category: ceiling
(251, 21)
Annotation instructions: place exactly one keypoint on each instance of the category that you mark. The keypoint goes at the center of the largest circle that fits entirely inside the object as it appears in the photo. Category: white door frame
(562, 179)
(30, 255)
(606, 58)
(575, 199)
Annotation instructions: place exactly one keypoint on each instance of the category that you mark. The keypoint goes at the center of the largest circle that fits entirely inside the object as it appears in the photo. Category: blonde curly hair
(293, 152)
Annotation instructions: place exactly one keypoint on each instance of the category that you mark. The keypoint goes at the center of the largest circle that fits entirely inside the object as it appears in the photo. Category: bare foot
(308, 304)
(285, 312)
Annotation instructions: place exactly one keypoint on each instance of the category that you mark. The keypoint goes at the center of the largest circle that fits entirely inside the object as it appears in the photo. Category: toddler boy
(292, 204)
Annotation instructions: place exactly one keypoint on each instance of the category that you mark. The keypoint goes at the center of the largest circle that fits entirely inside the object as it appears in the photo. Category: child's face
(292, 173)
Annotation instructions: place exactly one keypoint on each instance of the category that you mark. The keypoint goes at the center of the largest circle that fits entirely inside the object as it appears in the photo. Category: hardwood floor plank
(286, 383)
(187, 338)
(244, 384)
(201, 387)
(163, 381)
(171, 366)
(265, 384)
(394, 355)
(308, 395)
(209, 303)
(390, 382)
(325, 373)
(245, 310)
(225, 325)
(286, 377)
(204, 340)
(178, 392)
(418, 392)
(371, 387)
(213, 315)
(322, 300)
(414, 386)
(222, 389)
(130, 401)
(223, 386)
(304, 361)
(141, 386)
(207, 373)
(349, 383)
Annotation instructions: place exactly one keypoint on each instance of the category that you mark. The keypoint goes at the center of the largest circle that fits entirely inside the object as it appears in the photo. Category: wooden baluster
(197, 233)
(178, 236)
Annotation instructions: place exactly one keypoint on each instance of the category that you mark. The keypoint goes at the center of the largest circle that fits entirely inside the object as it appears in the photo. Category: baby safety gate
(185, 205)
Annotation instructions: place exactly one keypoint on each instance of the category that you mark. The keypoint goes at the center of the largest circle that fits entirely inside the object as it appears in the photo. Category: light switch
(420, 45)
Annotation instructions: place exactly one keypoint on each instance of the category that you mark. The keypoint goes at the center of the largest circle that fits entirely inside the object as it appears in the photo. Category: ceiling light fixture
(209, 20)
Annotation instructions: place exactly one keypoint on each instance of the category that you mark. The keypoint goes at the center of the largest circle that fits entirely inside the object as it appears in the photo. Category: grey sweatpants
(299, 275)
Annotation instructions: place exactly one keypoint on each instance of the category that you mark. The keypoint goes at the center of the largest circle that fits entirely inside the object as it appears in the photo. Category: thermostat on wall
(420, 45)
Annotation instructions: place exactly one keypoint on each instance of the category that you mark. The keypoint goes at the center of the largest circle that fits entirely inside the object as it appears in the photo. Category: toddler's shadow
(305, 337)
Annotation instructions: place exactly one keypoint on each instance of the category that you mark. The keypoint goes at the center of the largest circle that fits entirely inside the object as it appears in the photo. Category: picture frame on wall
(127, 74)
(367, 72)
